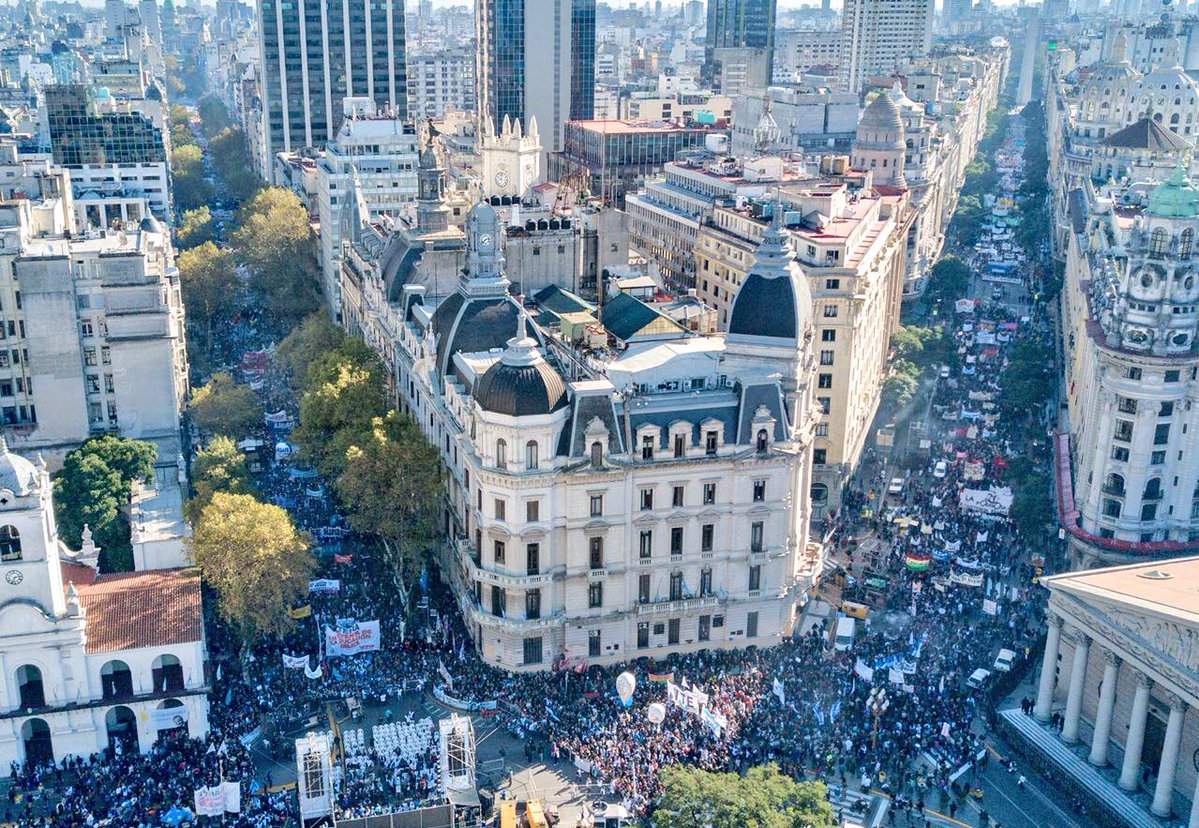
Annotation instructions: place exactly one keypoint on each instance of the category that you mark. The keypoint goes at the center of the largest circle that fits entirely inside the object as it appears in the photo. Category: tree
(221, 406)
(762, 798)
(274, 243)
(391, 485)
(214, 117)
(899, 389)
(948, 280)
(187, 171)
(218, 467)
(1027, 380)
(338, 410)
(308, 342)
(255, 559)
(208, 277)
(231, 156)
(94, 483)
(196, 227)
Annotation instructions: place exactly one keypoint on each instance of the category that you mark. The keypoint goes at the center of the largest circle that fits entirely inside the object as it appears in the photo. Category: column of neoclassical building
(1085, 675)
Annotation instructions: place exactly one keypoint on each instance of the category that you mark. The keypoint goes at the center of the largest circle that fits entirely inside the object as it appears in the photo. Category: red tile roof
(76, 573)
(128, 610)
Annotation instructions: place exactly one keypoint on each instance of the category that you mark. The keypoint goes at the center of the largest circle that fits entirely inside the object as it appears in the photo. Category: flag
(343, 559)
(778, 690)
(917, 561)
(661, 678)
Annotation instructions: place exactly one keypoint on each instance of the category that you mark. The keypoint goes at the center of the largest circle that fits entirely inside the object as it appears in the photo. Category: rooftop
(1163, 587)
(131, 610)
(615, 127)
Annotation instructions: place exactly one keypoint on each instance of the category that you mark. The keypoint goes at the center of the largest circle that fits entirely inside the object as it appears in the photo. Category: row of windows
(534, 648)
(595, 505)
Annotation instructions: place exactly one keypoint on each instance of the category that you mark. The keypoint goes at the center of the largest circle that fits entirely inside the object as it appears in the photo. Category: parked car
(896, 487)
(941, 469)
(978, 678)
(1004, 661)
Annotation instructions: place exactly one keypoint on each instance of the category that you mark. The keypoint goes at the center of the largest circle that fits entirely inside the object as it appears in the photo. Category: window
(756, 536)
(755, 578)
(647, 447)
(1120, 453)
(710, 443)
(501, 454)
(1173, 376)
(1157, 458)
(705, 581)
(10, 544)
(1114, 484)
(89, 356)
(824, 381)
(85, 328)
(1126, 405)
(647, 499)
(676, 586)
(597, 505)
(762, 442)
(595, 552)
(1123, 431)
(1157, 243)
(680, 445)
(706, 534)
(105, 351)
(643, 588)
(705, 627)
(751, 625)
(826, 357)
(532, 511)
(498, 550)
(597, 454)
(676, 540)
(709, 494)
(1186, 243)
(533, 650)
(1161, 434)
(759, 491)
(830, 311)
(533, 604)
(825, 404)
(1134, 373)
(532, 558)
(642, 635)
(531, 455)
(1166, 409)
(1111, 508)
(819, 455)
(595, 594)
(828, 335)
(594, 642)
(646, 545)
(821, 429)
(676, 496)
(832, 284)
(672, 631)
(501, 509)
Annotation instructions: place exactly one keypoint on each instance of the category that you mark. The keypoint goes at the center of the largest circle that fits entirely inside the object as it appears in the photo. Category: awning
(464, 799)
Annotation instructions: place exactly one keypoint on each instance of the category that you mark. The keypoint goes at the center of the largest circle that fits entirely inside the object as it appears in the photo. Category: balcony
(507, 580)
(513, 626)
(680, 606)
(1114, 491)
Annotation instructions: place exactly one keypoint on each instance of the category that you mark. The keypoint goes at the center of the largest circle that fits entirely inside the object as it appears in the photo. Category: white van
(1003, 661)
(846, 627)
(978, 678)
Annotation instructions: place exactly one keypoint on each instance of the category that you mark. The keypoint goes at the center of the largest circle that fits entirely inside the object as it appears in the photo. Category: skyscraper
(875, 34)
(740, 24)
(536, 59)
(315, 53)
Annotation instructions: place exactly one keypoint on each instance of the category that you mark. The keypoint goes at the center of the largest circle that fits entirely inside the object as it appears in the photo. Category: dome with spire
(1176, 197)
(773, 305)
(881, 124)
(521, 383)
(17, 474)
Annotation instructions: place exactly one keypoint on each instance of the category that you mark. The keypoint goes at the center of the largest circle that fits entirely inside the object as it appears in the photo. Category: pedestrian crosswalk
(855, 808)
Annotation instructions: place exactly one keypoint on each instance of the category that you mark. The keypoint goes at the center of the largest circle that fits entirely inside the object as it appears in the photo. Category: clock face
(485, 240)
(501, 178)
(14, 576)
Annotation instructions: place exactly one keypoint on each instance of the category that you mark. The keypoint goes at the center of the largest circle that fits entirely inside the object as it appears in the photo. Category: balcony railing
(683, 605)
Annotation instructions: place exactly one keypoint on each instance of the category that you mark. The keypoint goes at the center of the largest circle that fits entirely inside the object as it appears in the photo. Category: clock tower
(511, 159)
(484, 250)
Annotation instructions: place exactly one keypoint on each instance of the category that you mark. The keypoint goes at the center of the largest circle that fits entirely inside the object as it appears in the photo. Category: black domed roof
(520, 390)
(773, 305)
(764, 307)
(471, 325)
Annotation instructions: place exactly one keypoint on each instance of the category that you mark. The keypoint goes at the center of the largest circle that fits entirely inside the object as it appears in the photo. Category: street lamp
(877, 703)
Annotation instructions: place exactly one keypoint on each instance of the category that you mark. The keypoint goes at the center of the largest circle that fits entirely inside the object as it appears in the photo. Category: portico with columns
(1120, 676)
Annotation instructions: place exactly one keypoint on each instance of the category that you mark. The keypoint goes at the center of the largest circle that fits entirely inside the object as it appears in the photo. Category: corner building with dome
(618, 486)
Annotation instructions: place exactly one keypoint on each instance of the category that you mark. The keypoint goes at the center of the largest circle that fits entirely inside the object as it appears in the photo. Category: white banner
(445, 674)
(864, 672)
(965, 579)
(777, 689)
(894, 676)
(990, 607)
(353, 637)
(313, 672)
(231, 797)
(209, 801)
(717, 722)
(164, 718)
(324, 585)
(693, 701)
(295, 662)
(993, 501)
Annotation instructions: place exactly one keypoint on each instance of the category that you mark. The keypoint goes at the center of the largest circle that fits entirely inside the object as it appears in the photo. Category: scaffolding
(457, 754)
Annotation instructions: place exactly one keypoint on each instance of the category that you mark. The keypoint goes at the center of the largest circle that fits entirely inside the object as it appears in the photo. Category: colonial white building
(87, 660)
(609, 498)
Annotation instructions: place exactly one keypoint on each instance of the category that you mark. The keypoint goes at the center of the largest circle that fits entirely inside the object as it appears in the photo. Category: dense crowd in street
(947, 577)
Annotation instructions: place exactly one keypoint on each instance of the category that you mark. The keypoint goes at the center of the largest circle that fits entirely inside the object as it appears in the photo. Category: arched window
(10, 544)
(29, 687)
(501, 454)
(39, 748)
(1114, 484)
(597, 454)
(167, 674)
(116, 680)
(1157, 243)
(819, 492)
(1153, 489)
(121, 725)
(1186, 243)
(531, 455)
(762, 441)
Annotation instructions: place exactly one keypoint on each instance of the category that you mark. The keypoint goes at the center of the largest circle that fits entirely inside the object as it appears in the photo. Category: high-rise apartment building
(440, 80)
(876, 34)
(536, 59)
(740, 24)
(314, 54)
